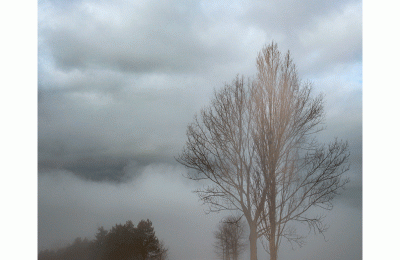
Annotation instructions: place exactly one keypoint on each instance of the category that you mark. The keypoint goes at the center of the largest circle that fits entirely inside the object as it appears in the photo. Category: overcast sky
(119, 81)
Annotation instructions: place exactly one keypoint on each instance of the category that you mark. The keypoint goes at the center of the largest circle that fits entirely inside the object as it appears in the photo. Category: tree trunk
(253, 242)
(273, 252)
(272, 217)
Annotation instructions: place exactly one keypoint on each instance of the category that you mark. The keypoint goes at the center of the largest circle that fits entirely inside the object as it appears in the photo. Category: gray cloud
(319, 34)
(96, 136)
(156, 36)
(182, 36)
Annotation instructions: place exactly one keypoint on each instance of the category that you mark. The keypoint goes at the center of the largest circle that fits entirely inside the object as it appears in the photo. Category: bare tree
(230, 243)
(299, 173)
(220, 149)
(256, 147)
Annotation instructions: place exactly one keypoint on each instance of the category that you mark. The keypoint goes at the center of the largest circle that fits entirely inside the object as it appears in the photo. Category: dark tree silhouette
(128, 242)
(124, 242)
(255, 146)
(120, 242)
(100, 243)
(147, 244)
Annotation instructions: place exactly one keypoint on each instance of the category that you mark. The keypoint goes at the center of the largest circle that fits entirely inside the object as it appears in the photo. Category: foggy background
(90, 174)
(119, 81)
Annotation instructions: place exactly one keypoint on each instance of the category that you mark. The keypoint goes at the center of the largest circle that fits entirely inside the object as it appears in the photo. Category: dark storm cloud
(103, 91)
(97, 136)
(114, 81)
(119, 81)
